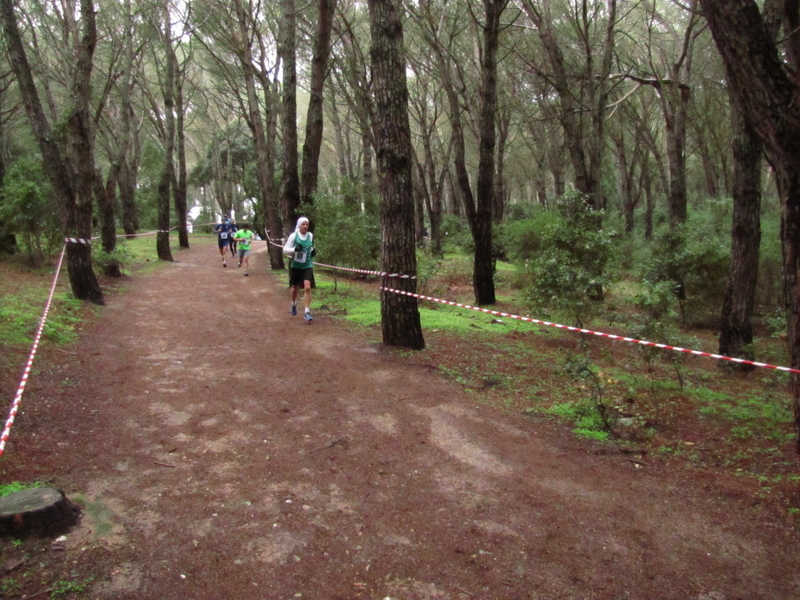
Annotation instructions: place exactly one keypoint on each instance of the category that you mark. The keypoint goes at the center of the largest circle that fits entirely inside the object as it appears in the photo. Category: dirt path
(226, 450)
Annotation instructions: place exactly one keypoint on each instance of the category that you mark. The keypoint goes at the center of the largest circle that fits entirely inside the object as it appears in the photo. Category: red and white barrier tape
(596, 333)
(21, 388)
(377, 273)
(361, 271)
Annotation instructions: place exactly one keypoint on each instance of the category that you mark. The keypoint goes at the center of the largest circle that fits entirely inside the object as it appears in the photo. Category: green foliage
(27, 208)
(345, 234)
(524, 239)
(592, 417)
(121, 255)
(68, 587)
(15, 486)
(456, 235)
(769, 291)
(565, 261)
(9, 587)
(427, 267)
(520, 211)
(693, 259)
(583, 414)
(776, 322)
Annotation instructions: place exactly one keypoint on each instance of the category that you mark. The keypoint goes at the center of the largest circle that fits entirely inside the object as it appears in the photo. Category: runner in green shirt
(243, 237)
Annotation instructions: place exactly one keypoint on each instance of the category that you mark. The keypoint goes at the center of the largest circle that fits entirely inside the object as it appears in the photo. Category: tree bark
(290, 185)
(676, 113)
(73, 189)
(168, 169)
(583, 111)
(478, 213)
(767, 90)
(256, 125)
(736, 331)
(105, 196)
(314, 118)
(127, 195)
(481, 221)
(180, 183)
(43, 510)
(400, 322)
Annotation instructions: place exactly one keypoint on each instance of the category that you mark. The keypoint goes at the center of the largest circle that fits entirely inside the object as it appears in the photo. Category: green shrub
(693, 259)
(27, 209)
(566, 259)
(769, 291)
(121, 255)
(456, 235)
(349, 227)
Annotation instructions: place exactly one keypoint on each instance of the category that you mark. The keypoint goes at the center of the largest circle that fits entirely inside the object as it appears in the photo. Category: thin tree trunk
(341, 149)
(180, 182)
(314, 121)
(105, 196)
(499, 203)
(421, 198)
(256, 124)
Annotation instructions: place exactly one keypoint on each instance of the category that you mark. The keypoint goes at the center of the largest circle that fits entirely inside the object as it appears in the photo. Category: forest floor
(222, 449)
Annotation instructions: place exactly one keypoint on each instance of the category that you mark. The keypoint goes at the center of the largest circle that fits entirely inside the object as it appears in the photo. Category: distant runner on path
(233, 238)
(224, 232)
(244, 236)
(300, 246)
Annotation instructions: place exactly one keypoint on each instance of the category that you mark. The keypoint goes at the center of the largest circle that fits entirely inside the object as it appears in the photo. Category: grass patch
(20, 313)
(15, 486)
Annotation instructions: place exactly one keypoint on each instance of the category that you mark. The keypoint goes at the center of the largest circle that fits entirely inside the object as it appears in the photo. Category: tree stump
(41, 510)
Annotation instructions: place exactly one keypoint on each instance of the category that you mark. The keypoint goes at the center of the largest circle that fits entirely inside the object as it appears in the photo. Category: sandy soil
(222, 449)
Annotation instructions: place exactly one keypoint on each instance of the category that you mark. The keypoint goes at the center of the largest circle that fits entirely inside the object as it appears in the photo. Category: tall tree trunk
(676, 152)
(483, 263)
(180, 181)
(168, 170)
(314, 122)
(341, 149)
(106, 196)
(290, 186)
(481, 221)
(736, 332)
(127, 195)
(256, 124)
(649, 199)
(421, 198)
(767, 91)
(499, 202)
(73, 189)
(400, 321)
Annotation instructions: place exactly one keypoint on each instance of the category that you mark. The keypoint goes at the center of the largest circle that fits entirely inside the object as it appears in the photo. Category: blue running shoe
(308, 317)
(294, 311)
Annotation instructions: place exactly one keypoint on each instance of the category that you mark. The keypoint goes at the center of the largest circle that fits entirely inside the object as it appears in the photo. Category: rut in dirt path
(227, 450)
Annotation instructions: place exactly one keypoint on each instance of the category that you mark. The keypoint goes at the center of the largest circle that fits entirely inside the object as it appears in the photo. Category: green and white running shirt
(243, 238)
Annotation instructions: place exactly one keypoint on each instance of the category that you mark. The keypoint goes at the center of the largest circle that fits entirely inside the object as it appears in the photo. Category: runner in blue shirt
(224, 231)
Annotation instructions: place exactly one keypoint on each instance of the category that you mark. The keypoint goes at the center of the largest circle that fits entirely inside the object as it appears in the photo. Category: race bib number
(301, 257)
(223, 235)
